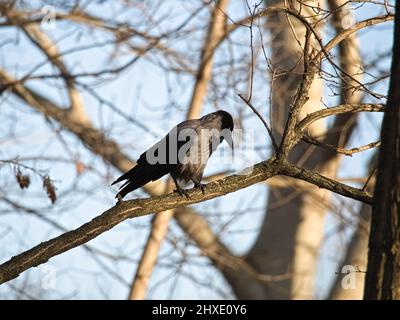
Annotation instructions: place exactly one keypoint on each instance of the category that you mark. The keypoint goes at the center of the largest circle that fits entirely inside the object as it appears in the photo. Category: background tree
(383, 274)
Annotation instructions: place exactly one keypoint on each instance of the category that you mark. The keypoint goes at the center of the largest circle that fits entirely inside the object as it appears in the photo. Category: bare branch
(347, 152)
(326, 183)
(341, 109)
(140, 207)
(215, 32)
(275, 145)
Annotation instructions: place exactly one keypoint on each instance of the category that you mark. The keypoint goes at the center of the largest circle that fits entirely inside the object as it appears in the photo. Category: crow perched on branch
(183, 153)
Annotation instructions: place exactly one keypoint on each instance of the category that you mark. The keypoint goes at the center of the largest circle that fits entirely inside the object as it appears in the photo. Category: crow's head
(226, 119)
(226, 127)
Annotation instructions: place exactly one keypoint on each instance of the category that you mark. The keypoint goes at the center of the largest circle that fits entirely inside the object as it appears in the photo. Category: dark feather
(146, 171)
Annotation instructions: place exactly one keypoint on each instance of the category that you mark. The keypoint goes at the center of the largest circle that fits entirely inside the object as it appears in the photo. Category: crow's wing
(195, 154)
(210, 138)
(144, 171)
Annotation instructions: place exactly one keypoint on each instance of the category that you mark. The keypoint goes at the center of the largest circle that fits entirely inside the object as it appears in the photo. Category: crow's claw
(119, 198)
(183, 192)
(201, 186)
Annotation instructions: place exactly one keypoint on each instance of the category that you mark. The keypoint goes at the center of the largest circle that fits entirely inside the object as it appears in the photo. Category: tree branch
(126, 210)
(49, 49)
(274, 144)
(325, 183)
(140, 207)
(346, 152)
(340, 109)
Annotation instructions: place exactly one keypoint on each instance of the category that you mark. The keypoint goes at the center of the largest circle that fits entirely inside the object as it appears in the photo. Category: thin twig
(347, 152)
(369, 178)
(262, 120)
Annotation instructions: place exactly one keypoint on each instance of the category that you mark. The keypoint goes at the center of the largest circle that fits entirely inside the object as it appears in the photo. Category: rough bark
(383, 272)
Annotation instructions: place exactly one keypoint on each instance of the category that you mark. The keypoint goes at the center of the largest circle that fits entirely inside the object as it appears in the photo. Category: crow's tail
(138, 176)
(129, 186)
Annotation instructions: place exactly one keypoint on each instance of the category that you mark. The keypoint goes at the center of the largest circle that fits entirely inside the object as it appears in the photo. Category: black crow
(183, 153)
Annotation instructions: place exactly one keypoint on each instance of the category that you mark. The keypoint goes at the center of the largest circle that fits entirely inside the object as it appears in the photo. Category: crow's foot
(119, 198)
(183, 192)
(201, 186)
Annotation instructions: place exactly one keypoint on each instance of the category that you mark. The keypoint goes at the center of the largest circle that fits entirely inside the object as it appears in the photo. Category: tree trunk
(292, 229)
(356, 256)
(383, 273)
(351, 62)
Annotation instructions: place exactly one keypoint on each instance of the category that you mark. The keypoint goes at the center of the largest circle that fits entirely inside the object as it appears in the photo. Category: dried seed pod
(50, 190)
(23, 179)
